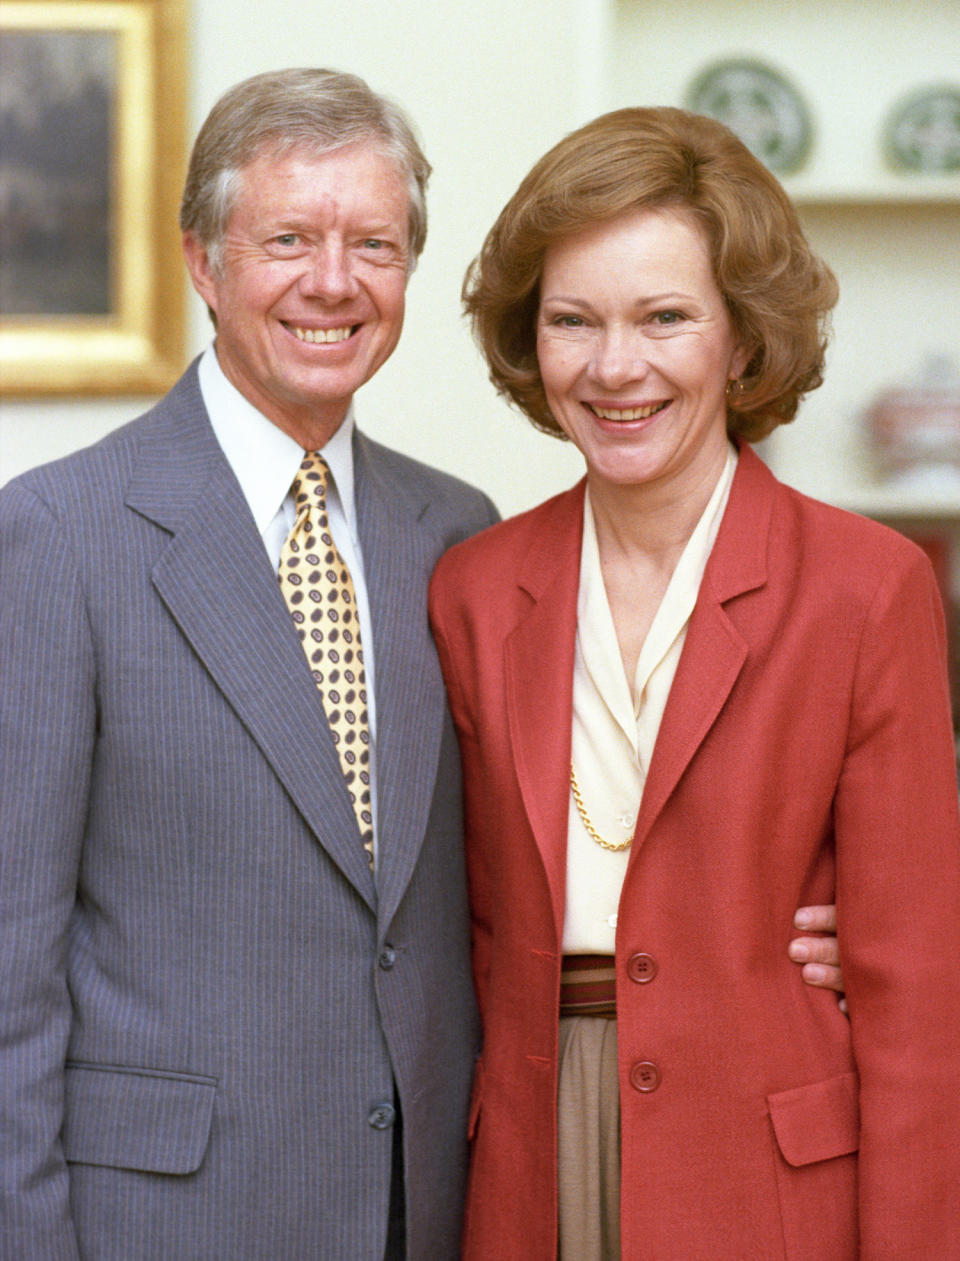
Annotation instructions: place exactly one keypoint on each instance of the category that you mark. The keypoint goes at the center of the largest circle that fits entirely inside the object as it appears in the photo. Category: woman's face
(636, 347)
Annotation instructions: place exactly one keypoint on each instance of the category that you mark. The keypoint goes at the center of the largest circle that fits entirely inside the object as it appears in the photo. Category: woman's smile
(622, 413)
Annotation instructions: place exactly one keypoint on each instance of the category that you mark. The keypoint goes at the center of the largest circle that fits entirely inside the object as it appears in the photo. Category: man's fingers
(816, 919)
(823, 976)
(815, 950)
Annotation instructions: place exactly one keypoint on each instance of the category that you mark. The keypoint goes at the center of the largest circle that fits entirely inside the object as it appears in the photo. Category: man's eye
(372, 243)
(287, 238)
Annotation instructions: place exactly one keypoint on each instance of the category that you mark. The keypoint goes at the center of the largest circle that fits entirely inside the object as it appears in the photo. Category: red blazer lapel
(538, 663)
(715, 650)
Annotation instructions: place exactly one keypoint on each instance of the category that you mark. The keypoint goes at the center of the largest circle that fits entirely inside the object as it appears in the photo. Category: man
(209, 999)
(236, 1018)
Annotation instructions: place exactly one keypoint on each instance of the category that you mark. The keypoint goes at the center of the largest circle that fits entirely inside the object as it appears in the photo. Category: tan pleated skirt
(588, 1115)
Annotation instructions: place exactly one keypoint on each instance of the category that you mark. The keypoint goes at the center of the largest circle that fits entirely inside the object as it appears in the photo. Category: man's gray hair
(317, 111)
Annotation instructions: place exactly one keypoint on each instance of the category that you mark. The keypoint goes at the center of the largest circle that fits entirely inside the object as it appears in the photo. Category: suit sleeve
(483, 513)
(443, 591)
(442, 599)
(898, 904)
(47, 730)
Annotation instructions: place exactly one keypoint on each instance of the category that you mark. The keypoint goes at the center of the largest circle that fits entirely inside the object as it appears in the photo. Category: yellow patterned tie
(318, 589)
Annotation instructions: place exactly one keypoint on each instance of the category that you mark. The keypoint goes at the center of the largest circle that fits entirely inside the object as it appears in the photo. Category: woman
(690, 699)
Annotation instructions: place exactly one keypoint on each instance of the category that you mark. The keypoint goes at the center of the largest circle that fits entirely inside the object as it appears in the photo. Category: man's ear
(200, 269)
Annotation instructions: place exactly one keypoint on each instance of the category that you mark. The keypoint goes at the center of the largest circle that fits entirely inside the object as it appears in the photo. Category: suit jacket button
(388, 957)
(642, 968)
(644, 1076)
(382, 1116)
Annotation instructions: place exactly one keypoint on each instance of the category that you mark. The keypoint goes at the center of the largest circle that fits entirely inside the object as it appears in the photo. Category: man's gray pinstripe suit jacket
(204, 998)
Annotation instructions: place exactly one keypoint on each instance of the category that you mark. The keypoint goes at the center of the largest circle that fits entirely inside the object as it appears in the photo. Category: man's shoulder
(484, 575)
(102, 462)
(511, 541)
(434, 490)
(103, 468)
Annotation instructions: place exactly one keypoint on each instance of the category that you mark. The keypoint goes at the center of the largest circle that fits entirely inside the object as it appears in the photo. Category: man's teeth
(322, 334)
(628, 413)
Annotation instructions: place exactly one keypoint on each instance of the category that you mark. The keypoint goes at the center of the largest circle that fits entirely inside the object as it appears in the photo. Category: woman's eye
(568, 321)
(669, 317)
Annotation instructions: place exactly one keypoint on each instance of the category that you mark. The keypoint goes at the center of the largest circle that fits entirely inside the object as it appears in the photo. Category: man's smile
(319, 335)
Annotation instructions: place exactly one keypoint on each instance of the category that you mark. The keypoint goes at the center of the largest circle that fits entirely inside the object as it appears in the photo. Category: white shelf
(889, 504)
(895, 191)
(931, 496)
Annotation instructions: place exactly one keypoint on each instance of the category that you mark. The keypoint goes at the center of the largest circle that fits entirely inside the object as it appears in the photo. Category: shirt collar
(264, 459)
(596, 633)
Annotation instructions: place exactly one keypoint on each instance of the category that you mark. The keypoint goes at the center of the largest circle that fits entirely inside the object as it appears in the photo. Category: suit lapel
(715, 650)
(539, 655)
(399, 552)
(215, 578)
(712, 658)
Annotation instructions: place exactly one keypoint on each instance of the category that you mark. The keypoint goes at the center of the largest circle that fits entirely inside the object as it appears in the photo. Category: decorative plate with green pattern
(760, 106)
(923, 131)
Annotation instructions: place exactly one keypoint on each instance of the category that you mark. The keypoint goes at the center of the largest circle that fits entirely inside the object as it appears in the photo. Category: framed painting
(91, 168)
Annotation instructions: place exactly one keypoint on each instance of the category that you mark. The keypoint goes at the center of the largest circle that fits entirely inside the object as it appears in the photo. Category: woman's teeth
(627, 413)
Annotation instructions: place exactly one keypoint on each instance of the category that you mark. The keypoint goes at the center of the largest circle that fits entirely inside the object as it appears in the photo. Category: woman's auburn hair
(778, 292)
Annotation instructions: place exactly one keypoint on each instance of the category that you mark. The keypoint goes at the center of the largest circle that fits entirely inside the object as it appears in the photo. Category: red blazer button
(644, 1076)
(642, 968)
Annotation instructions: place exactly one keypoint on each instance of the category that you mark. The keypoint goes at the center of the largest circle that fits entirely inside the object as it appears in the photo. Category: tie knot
(309, 487)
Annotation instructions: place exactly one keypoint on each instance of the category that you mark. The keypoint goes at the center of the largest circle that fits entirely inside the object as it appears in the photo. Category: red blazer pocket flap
(817, 1122)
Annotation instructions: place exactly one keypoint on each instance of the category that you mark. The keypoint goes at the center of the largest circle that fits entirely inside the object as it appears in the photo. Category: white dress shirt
(613, 737)
(265, 461)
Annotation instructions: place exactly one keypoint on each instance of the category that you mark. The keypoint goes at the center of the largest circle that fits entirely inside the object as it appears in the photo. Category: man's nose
(328, 274)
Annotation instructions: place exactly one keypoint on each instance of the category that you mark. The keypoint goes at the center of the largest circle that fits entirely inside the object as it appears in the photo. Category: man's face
(309, 294)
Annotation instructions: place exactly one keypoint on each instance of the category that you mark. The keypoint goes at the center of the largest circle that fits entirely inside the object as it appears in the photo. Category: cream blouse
(613, 739)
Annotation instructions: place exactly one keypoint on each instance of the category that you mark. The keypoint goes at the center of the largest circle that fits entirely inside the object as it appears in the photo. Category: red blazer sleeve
(898, 903)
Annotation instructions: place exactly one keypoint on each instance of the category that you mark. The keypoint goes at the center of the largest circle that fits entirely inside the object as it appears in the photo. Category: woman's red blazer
(805, 755)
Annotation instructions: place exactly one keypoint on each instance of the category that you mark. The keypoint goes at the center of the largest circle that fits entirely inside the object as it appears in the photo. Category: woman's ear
(741, 357)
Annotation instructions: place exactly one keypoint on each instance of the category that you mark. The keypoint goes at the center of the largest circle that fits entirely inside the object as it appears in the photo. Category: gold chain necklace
(587, 822)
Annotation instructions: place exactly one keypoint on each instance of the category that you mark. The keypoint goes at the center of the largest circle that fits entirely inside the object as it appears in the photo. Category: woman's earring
(734, 390)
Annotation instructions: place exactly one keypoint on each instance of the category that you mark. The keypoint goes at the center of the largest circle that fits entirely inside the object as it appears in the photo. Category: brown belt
(588, 986)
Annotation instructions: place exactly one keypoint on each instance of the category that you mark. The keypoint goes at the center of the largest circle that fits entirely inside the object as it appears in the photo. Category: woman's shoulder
(848, 571)
(845, 541)
(813, 533)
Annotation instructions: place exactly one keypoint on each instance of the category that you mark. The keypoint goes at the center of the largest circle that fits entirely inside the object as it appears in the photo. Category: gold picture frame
(92, 294)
